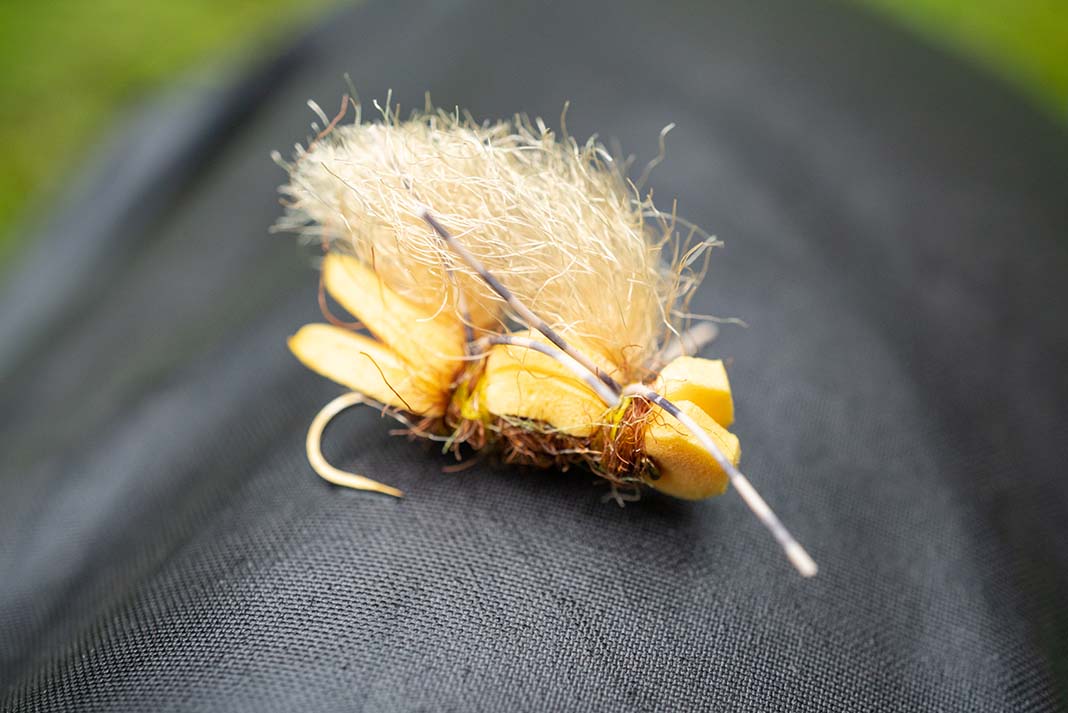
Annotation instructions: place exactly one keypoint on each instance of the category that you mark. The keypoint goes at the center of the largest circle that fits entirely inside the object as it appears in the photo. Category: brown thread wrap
(615, 452)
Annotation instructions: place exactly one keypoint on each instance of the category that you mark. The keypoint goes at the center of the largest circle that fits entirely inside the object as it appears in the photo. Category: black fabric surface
(895, 227)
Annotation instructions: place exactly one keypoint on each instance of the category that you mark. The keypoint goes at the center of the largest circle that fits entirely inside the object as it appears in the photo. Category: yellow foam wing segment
(432, 343)
(533, 360)
(527, 384)
(702, 382)
(367, 366)
(686, 469)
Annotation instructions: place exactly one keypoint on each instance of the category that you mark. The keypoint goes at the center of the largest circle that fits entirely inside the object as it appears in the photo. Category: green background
(68, 68)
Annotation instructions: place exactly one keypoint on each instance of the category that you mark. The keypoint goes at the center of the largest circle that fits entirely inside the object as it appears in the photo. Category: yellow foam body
(527, 384)
(686, 469)
(432, 343)
(414, 357)
(367, 366)
(702, 382)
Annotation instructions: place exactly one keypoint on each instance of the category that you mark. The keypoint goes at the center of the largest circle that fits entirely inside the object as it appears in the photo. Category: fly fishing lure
(514, 290)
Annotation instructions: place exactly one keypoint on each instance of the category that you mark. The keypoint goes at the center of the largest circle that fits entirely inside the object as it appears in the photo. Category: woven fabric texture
(895, 231)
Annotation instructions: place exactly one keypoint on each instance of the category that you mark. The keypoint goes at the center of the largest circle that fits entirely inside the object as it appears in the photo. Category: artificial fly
(515, 291)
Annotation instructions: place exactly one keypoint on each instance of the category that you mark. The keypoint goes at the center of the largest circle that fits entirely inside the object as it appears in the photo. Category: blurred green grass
(1024, 41)
(67, 67)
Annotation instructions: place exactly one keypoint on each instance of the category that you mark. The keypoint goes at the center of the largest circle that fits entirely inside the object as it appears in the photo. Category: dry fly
(513, 290)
